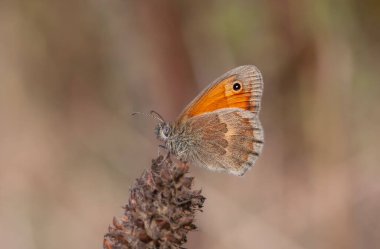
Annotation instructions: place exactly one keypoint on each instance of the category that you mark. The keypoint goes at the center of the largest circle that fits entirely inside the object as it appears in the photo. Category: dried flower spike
(160, 210)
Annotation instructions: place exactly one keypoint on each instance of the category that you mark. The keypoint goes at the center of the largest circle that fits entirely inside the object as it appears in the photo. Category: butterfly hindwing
(229, 140)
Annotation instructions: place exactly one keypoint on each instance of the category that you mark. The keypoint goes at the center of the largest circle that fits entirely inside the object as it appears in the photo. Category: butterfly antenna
(152, 114)
(157, 116)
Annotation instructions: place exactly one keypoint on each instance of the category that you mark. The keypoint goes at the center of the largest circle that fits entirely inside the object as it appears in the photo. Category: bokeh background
(72, 72)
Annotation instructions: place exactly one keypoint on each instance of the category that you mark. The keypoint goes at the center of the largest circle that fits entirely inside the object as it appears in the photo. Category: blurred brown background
(73, 71)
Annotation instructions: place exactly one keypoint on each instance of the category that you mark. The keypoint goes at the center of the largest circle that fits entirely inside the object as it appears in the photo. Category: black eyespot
(236, 86)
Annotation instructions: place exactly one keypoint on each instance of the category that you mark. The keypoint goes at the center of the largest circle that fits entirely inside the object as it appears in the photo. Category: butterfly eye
(166, 130)
(236, 86)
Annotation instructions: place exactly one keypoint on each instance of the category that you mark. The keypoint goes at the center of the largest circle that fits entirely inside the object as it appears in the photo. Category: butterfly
(220, 129)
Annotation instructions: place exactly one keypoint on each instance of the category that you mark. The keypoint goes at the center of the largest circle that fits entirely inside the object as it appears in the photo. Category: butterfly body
(220, 129)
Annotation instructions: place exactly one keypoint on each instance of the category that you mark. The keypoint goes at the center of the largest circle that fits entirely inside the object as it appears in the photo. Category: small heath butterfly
(220, 129)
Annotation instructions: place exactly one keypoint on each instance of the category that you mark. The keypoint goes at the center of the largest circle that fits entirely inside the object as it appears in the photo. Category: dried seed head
(160, 211)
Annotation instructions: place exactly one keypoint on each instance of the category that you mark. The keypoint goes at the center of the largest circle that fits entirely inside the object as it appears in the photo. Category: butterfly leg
(164, 156)
(161, 147)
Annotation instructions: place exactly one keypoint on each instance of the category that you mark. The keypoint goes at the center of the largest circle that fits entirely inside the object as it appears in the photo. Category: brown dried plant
(160, 210)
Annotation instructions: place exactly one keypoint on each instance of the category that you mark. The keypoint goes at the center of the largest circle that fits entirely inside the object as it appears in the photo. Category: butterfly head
(163, 131)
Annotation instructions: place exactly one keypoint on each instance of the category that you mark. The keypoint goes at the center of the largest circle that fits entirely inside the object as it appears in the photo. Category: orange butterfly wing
(241, 87)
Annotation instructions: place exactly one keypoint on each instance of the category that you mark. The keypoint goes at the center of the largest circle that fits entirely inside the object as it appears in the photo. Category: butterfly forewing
(222, 94)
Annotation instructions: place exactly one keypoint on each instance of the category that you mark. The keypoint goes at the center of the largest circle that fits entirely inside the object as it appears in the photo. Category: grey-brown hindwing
(227, 140)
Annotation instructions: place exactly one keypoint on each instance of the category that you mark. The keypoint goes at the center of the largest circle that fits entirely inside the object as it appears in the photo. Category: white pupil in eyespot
(236, 86)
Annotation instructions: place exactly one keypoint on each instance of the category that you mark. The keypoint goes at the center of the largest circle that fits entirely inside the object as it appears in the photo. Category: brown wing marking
(228, 140)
